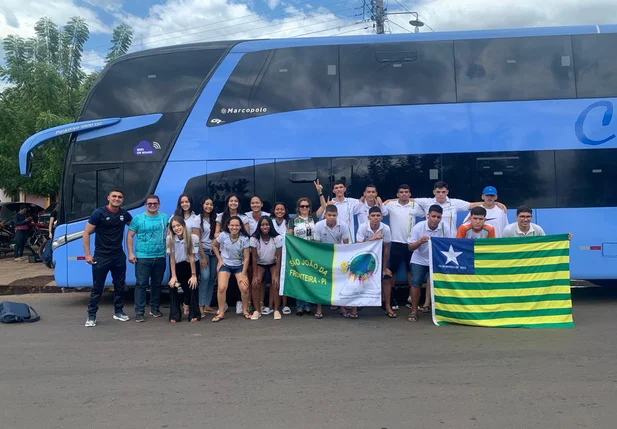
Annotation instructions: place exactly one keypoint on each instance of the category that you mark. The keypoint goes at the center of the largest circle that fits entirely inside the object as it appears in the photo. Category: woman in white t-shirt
(207, 260)
(232, 208)
(255, 214)
(182, 248)
(280, 221)
(266, 247)
(185, 211)
(231, 249)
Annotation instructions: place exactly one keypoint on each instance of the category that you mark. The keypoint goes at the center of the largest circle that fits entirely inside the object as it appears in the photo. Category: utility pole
(379, 16)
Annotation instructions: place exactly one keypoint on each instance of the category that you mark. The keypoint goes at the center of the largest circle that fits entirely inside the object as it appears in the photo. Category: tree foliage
(47, 86)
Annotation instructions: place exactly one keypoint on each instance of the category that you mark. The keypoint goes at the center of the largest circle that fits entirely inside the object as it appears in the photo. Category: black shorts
(399, 254)
(267, 267)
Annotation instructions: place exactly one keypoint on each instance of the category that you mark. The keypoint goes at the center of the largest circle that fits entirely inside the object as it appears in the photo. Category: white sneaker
(266, 311)
(226, 308)
(238, 307)
(286, 310)
(91, 321)
(256, 315)
(121, 316)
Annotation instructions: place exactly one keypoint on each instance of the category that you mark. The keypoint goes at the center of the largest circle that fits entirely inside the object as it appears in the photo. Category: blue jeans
(206, 280)
(148, 271)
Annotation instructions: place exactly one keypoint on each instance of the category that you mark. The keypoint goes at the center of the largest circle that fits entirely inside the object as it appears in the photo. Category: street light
(416, 23)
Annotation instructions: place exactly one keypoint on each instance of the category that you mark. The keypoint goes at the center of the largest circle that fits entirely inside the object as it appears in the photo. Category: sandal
(187, 309)
(217, 318)
(345, 314)
(413, 318)
(391, 315)
(424, 309)
(299, 312)
(318, 316)
(354, 315)
(247, 316)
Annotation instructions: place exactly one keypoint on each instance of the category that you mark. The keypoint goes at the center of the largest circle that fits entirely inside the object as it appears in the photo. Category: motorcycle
(7, 239)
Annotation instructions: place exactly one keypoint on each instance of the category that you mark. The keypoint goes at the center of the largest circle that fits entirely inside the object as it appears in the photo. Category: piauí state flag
(333, 274)
(505, 282)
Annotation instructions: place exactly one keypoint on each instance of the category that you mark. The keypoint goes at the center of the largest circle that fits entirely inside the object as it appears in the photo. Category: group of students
(207, 247)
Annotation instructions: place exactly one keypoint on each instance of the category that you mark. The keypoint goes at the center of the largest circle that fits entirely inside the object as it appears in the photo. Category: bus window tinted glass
(525, 68)
(84, 195)
(520, 177)
(595, 58)
(278, 81)
(397, 73)
(158, 83)
(586, 178)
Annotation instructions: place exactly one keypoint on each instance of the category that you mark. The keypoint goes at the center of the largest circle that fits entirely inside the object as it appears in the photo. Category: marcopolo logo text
(232, 110)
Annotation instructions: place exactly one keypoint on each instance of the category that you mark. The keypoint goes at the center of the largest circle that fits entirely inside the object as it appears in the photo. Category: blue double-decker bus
(528, 111)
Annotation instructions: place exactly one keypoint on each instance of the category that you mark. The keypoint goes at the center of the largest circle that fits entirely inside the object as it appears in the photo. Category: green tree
(47, 88)
(120, 41)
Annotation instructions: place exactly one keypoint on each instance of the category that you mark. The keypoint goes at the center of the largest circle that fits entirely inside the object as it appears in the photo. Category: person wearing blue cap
(495, 216)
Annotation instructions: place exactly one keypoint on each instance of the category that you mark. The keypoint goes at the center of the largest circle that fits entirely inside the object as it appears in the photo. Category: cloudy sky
(163, 22)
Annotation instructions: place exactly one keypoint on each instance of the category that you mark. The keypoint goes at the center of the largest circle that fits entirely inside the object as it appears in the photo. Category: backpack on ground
(17, 312)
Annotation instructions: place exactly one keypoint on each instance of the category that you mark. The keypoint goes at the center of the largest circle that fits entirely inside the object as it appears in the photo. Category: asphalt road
(304, 373)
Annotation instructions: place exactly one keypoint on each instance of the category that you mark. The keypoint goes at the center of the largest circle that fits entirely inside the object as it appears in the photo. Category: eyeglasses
(152, 204)
(304, 206)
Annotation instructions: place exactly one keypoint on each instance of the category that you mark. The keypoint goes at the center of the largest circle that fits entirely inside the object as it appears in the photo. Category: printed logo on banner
(232, 110)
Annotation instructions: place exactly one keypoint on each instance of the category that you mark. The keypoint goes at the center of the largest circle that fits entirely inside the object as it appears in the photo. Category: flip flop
(318, 316)
(391, 315)
(345, 315)
(424, 309)
(354, 315)
(217, 319)
(247, 316)
(413, 318)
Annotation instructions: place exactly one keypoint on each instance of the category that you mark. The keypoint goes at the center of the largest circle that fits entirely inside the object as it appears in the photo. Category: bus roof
(258, 45)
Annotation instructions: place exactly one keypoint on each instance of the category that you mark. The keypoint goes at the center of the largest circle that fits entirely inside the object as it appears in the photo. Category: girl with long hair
(207, 260)
(182, 247)
(185, 211)
(302, 226)
(231, 249)
(280, 220)
(266, 247)
(232, 208)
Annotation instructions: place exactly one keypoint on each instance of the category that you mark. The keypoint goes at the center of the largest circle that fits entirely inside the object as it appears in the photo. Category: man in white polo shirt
(495, 216)
(403, 213)
(331, 230)
(523, 227)
(375, 229)
(418, 244)
(346, 206)
(450, 206)
(369, 199)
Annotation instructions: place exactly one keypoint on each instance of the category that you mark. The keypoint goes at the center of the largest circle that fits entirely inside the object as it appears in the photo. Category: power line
(141, 39)
(94, 51)
(328, 29)
(399, 26)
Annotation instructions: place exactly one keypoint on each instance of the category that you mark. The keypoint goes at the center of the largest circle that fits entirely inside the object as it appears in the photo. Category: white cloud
(107, 5)
(448, 15)
(186, 21)
(92, 61)
(25, 13)
(272, 3)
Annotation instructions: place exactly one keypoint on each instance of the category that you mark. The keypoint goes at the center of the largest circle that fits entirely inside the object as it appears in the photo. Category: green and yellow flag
(334, 274)
(519, 282)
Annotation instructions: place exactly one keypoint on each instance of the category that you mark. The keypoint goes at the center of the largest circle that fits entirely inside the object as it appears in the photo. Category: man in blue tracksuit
(108, 222)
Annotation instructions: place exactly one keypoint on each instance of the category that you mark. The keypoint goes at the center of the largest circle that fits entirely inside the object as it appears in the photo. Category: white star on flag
(451, 255)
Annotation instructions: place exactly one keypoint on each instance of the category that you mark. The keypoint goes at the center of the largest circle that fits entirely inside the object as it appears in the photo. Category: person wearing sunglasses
(148, 230)
(302, 225)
